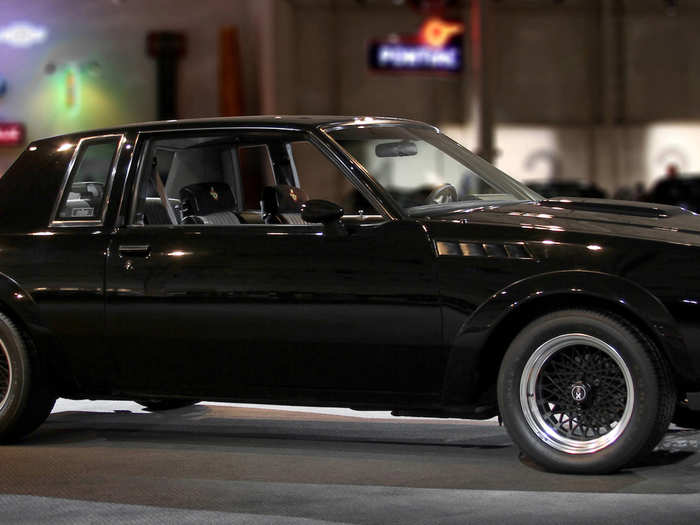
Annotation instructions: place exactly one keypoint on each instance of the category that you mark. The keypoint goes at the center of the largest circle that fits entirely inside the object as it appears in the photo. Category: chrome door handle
(135, 250)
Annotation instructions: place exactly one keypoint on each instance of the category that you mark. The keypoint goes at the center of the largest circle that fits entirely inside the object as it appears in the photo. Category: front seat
(281, 204)
(208, 203)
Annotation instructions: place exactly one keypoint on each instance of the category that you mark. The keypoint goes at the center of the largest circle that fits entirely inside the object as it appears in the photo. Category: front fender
(494, 320)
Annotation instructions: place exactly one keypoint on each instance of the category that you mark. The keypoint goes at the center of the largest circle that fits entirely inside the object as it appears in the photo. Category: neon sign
(23, 34)
(415, 58)
(11, 134)
(437, 47)
(437, 32)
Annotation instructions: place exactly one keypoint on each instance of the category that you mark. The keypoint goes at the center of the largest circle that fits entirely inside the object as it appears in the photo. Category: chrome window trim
(125, 187)
(369, 121)
(220, 128)
(63, 223)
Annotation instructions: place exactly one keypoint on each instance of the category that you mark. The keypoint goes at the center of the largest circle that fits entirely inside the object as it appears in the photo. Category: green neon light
(72, 89)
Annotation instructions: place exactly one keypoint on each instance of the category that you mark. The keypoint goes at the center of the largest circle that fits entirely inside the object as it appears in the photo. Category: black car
(683, 192)
(371, 263)
(568, 188)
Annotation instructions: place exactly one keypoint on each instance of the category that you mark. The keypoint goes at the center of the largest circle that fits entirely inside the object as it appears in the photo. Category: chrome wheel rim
(5, 375)
(577, 394)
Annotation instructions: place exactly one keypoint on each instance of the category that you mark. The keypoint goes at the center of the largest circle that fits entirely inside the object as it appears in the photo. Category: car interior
(224, 182)
(83, 200)
(85, 194)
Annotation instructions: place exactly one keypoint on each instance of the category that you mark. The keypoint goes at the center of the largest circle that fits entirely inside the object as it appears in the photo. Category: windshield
(423, 170)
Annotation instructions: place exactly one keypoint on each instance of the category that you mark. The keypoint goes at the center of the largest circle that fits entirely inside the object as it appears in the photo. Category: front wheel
(584, 392)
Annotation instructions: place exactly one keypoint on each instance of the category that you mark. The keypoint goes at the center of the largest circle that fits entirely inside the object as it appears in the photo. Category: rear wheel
(158, 405)
(586, 392)
(25, 397)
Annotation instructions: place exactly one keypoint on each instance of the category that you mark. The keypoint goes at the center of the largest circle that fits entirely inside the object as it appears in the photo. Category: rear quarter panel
(58, 272)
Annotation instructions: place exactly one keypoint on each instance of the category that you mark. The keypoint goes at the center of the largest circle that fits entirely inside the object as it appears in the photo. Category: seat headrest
(204, 198)
(283, 199)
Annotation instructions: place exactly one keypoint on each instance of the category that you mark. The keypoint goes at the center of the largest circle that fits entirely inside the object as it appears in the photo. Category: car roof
(305, 122)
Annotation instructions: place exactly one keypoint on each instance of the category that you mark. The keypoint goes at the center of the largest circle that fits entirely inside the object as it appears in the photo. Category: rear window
(87, 186)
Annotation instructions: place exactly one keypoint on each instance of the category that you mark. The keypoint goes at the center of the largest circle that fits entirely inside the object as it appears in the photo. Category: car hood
(595, 216)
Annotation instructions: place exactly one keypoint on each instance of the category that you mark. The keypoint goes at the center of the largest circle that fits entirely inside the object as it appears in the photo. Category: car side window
(187, 180)
(321, 179)
(229, 179)
(85, 192)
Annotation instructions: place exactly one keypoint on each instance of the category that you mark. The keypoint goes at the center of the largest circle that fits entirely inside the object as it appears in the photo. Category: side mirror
(321, 211)
(327, 213)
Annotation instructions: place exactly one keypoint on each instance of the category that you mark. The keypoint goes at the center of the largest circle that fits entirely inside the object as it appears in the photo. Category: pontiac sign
(437, 47)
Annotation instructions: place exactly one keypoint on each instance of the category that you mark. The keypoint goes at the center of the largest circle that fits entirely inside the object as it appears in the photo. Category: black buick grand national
(370, 263)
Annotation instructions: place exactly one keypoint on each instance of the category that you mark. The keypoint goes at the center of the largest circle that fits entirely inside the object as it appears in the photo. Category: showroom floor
(215, 463)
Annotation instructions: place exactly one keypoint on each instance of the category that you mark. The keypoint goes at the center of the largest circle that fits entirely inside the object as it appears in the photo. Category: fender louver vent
(478, 249)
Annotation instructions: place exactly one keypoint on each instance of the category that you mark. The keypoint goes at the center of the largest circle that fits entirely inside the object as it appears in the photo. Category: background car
(683, 192)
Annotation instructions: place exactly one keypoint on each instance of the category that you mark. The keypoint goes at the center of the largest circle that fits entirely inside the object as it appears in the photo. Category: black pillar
(167, 48)
(479, 35)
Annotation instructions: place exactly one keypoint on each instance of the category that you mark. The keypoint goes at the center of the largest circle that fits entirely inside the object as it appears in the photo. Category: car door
(253, 310)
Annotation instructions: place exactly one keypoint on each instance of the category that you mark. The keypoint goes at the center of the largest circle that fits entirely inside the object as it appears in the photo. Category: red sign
(11, 134)
(437, 32)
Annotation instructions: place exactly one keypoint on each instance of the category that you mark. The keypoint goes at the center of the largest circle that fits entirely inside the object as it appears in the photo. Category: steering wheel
(442, 194)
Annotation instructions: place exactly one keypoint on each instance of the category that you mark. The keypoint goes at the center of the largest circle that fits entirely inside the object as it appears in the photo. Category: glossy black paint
(394, 314)
(321, 211)
(295, 309)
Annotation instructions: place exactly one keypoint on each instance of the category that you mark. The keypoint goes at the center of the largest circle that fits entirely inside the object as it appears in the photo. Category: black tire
(686, 418)
(158, 405)
(584, 392)
(26, 398)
